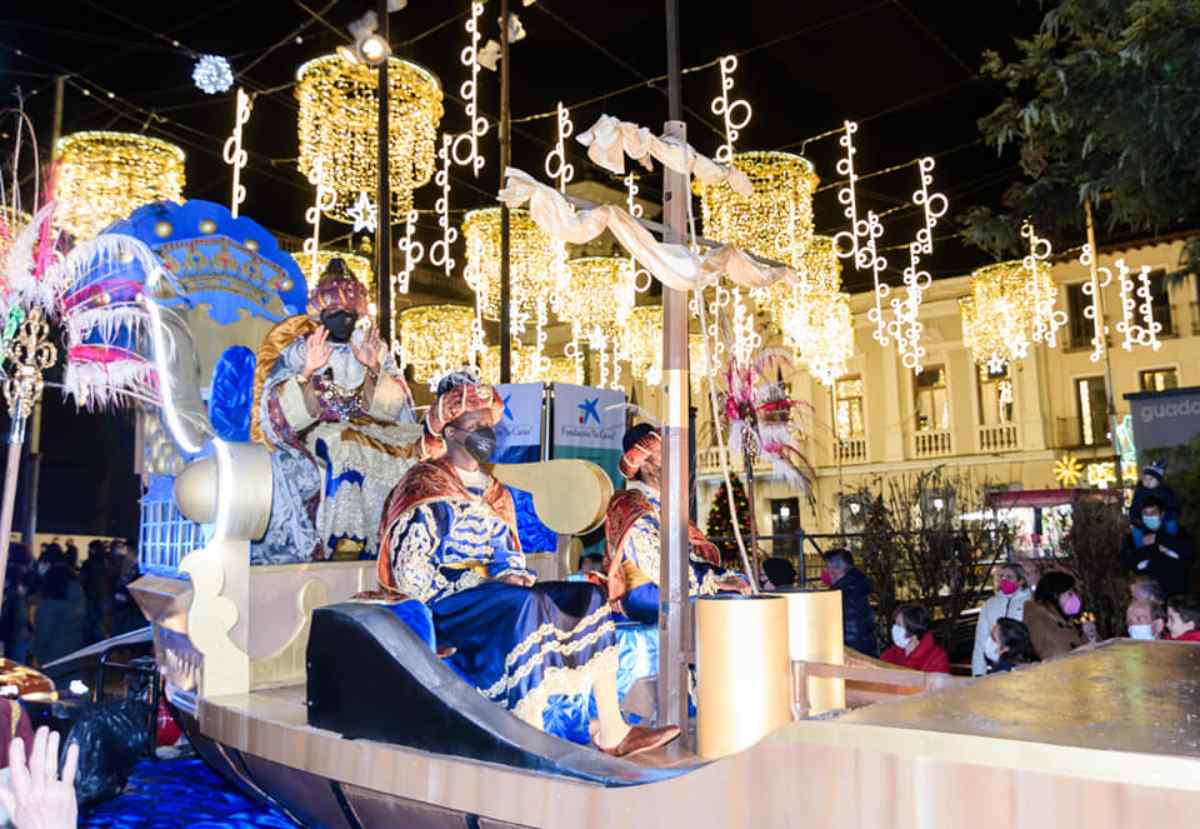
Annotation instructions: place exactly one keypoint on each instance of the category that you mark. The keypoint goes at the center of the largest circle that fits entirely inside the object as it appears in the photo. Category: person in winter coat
(1183, 618)
(1153, 549)
(1050, 616)
(1009, 603)
(1152, 483)
(58, 621)
(858, 619)
(1009, 646)
(1145, 619)
(912, 642)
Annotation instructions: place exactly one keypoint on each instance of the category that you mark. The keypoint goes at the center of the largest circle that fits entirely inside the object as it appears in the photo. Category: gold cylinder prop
(815, 635)
(743, 691)
(105, 176)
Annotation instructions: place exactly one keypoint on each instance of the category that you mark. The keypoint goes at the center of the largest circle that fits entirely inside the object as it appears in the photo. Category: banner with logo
(519, 430)
(1164, 419)
(589, 423)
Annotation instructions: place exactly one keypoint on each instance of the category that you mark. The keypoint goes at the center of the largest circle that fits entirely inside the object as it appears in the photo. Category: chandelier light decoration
(590, 307)
(997, 317)
(439, 251)
(233, 153)
(906, 326)
(531, 263)
(641, 344)
(105, 176)
(465, 149)
(859, 242)
(338, 125)
(434, 339)
(1040, 287)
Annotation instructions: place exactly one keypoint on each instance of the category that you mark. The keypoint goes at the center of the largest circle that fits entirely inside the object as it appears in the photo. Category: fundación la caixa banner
(519, 430)
(589, 423)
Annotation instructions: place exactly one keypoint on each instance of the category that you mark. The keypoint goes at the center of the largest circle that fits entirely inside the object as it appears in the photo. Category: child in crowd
(1145, 619)
(1183, 618)
(913, 644)
(1008, 646)
(1152, 483)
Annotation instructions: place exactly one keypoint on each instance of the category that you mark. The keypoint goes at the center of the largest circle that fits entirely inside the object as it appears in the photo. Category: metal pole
(16, 437)
(1108, 381)
(33, 456)
(383, 201)
(505, 158)
(674, 618)
(751, 519)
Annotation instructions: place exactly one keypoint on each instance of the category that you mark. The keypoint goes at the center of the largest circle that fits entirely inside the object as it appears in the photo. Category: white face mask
(1141, 631)
(900, 636)
(991, 650)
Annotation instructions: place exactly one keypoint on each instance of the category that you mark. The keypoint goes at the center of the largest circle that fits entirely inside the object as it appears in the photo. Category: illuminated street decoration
(233, 153)
(465, 150)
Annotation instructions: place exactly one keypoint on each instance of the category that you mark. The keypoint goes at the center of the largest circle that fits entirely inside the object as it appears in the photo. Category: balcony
(850, 450)
(708, 462)
(1069, 433)
(998, 438)
(932, 444)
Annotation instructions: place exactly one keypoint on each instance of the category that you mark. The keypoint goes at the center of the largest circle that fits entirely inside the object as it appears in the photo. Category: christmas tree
(720, 525)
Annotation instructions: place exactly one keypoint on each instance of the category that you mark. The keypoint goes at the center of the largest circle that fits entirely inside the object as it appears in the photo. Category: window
(848, 408)
(932, 400)
(785, 524)
(1079, 327)
(1160, 302)
(1158, 379)
(1093, 411)
(995, 396)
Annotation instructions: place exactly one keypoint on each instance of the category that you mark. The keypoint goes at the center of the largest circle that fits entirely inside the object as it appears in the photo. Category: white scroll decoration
(412, 250)
(465, 150)
(736, 114)
(1144, 333)
(907, 326)
(233, 153)
(859, 242)
(439, 251)
(324, 200)
(1092, 311)
(1040, 290)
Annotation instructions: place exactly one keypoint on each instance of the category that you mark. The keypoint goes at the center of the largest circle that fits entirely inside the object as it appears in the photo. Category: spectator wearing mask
(1144, 587)
(1008, 603)
(1152, 549)
(913, 645)
(1145, 619)
(858, 619)
(1050, 616)
(1183, 618)
(1152, 483)
(1008, 646)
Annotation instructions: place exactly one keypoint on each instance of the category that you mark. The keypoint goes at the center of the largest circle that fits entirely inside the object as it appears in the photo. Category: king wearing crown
(332, 403)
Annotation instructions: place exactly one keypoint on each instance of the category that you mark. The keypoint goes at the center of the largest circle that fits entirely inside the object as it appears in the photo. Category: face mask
(480, 443)
(1141, 631)
(900, 636)
(1152, 522)
(991, 650)
(1070, 606)
(1008, 586)
(826, 579)
(340, 325)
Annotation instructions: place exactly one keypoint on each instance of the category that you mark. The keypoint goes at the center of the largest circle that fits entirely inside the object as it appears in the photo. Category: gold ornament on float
(105, 176)
(435, 339)
(339, 124)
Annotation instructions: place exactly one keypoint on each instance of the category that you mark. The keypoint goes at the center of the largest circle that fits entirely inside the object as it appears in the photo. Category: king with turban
(332, 404)
(449, 540)
(632, 537)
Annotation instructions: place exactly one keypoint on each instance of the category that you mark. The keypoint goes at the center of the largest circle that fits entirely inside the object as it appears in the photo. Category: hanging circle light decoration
(339, 126)
(997, 316)
(531, 262)
(776, 220)
(435, 339)
(105, 176)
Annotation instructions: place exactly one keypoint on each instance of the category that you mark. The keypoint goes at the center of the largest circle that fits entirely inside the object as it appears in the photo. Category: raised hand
(368, 352)
(319, 352)
(36, 798)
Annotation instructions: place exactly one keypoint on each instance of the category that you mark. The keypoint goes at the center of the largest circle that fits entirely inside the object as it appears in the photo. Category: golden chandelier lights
(435, 339)
(531, 263)
(105, 176)
(776, 221)
(998, 316)
(559, 369)
(338, 125)
(813, 315)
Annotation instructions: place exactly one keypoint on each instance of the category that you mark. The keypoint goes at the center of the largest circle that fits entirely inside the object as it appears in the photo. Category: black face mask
(340, 325)
(480, 444)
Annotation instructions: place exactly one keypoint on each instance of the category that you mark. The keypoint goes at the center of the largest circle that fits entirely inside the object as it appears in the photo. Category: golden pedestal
(743, 687)
(815, 635)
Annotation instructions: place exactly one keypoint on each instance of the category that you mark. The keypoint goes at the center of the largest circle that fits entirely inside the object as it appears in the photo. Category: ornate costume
(343, 437)
(447, 536)
(633, 538)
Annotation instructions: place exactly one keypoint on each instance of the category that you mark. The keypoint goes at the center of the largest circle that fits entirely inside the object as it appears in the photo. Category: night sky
(905, 70)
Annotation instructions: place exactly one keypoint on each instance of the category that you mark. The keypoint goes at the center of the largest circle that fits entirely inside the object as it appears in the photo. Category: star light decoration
(1068, 471)
(465, 150)
(363, 214)
(212, 74)
(105, 176)
(338, 123)
(859, 242)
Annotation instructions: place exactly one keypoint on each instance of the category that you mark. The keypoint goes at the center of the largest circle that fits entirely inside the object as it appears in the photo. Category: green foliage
(1183, 476)
(1093, 543)
(1104, 105)
(719, 527)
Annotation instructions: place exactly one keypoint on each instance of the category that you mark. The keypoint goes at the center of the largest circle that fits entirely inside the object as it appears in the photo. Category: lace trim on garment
(568, 681)
(509, 681)
(551, 629)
